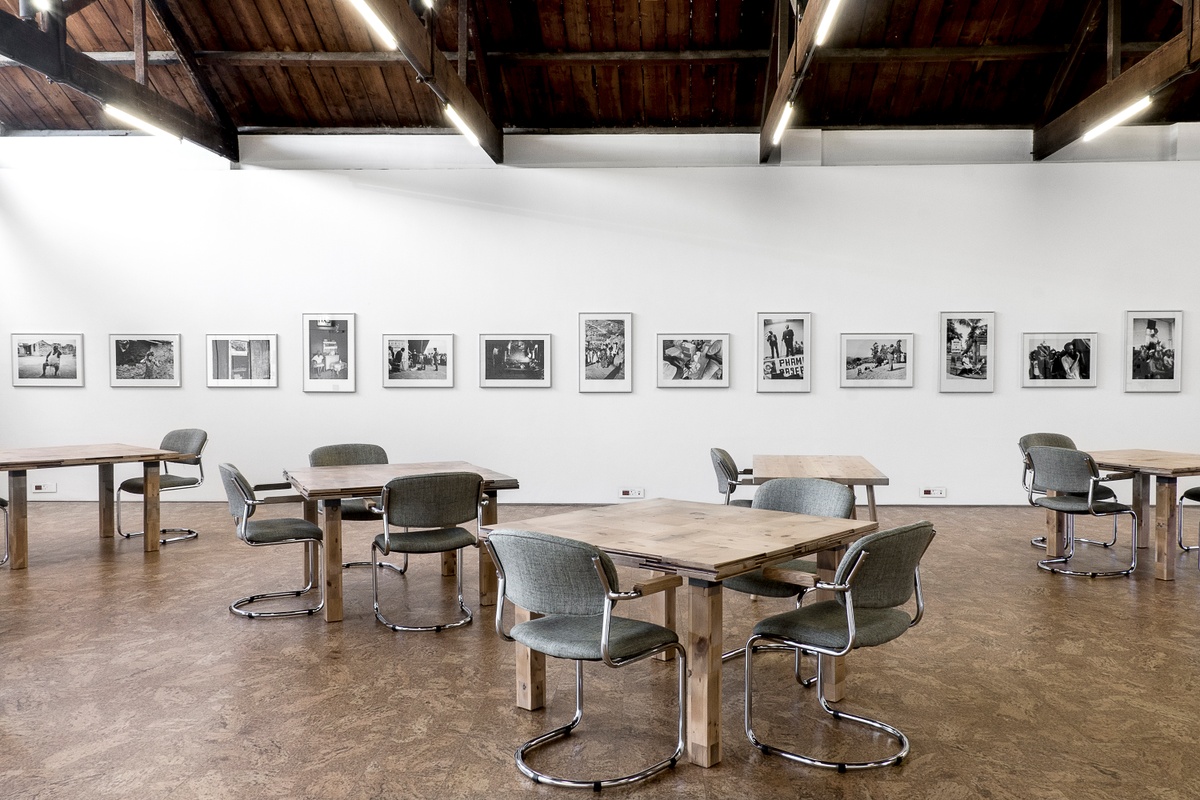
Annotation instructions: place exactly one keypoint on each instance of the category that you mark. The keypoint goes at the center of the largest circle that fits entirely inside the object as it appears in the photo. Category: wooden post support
(150, 508)
(531, 670)
(108, 508)
(1165, 528)
(18, 519)
(833, 669)
(487, 570)
(704, 647)
(664, 610)
(332, 573)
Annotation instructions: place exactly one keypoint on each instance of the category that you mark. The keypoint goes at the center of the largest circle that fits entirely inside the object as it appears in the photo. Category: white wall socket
(632, 494)
(933, 491)
(43, 488)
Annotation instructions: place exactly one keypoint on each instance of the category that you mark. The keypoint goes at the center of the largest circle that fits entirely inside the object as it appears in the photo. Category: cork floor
(125, 676)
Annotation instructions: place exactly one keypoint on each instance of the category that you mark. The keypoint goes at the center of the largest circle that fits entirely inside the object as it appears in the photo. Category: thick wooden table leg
(18, 519)
(833, 669)
(1165, 528)
(151, 516)
(1141, 504)
(108, 513)
(531, 670)
(487, 570)
(704, 679)
(332, 573)
(664, 610)
(871, 515)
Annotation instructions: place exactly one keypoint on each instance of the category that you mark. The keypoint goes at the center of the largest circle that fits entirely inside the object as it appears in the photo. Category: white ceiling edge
(125, 152)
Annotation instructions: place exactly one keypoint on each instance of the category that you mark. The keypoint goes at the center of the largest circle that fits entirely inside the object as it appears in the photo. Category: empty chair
(875, 580)
(728, 476)
(1072, 481)
(7, 540)
(1057, 440)
(813, 496)
(184, 440)
(243, 501)
(573, 587)
(345, 455)
(436, 505)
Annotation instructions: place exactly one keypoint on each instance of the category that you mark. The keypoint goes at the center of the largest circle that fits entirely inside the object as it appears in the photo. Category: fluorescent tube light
(461, 125)
(1118, 118)
(41, 5)
(137, 122)
(376, 24)
(826, 22)
(784, 121)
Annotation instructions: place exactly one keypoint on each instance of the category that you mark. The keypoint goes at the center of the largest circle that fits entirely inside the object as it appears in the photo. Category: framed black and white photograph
(47, 359)
(329, 353)
(1152, 342)
(514, 360)
(783, 352)
(877, 360)
(966, 356)
(418, 360)
(243, 360)
(697, 360)
(144, 359)
(604, 352)
(1059, 359)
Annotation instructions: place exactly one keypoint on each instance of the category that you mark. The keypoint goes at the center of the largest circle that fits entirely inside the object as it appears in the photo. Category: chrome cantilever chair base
(464, 611)
(1054, 565)
(1190, 494)
(237, 606)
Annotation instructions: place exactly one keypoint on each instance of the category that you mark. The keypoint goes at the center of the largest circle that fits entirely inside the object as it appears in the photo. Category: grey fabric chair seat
(1078, 504)
(437, 541)
(757, 583)
(824, 624)
(578, 638)
(165, 481)
(277, 531)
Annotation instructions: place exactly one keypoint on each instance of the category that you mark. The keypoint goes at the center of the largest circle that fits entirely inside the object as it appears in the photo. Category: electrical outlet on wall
(632, 494)
(934, 492)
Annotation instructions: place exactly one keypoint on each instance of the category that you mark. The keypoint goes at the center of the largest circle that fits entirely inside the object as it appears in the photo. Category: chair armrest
(795, 577)
(270, 501)
(271, 487)
(746, 471)
(1117, 476)
(374, 507)
(657, 584)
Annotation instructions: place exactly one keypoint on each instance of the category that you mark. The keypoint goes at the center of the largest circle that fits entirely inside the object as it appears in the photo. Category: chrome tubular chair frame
(1056, 440)
(7, 534)
(1071, 475)
(847, 571)
(443, 514)
(602, 565)
(1191, 494)
(185, 438)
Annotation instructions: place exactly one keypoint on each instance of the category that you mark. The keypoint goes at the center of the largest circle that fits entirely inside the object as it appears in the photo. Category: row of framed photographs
(874, 360)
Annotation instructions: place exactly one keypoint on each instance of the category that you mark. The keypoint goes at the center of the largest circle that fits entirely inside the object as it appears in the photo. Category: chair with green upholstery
(874, 583)
(729, 477)
(1058, 440)
(430, 511)
(572, 589)
(243, 502)
(183, 440)
(347, 455)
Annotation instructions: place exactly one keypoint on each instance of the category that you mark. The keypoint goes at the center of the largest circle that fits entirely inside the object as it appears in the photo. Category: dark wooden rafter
(435, 70)
(482, 62)
(175, 32)
(1174, 59)
(795, 67)
(48, 54)
(70, 7)
(1113, 53)
(139, 41)
(1087, 26)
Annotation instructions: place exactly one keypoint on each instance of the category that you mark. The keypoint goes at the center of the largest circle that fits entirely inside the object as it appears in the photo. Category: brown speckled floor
(127, 677)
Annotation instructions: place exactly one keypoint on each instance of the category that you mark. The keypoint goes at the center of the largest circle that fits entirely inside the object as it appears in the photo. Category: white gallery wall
(159, 244)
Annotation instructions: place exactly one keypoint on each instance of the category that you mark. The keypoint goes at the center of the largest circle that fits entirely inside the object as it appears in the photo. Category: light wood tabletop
(704, 543)
(330, 485)
(848, 470)
(18, 462)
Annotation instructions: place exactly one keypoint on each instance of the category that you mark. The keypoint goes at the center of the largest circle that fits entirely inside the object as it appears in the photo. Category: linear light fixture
(376, 24)
(461, 124)
(138, 122)
(826, 22)
(1116, 119)
(784, 120)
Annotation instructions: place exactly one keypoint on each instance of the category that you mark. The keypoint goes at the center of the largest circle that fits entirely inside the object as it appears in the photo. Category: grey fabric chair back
(814, 496)
(337, 455)
(440, 500)
(1042, 440)
(725, 468)
(884, 579)
(1063, 470)
(237, 490)
(550, 575)
(186, 440)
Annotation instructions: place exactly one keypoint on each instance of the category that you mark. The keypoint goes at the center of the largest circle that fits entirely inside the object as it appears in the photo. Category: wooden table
(1166, 468)
(17, 464)
(704, 543)
(331, 485)
(848, 470)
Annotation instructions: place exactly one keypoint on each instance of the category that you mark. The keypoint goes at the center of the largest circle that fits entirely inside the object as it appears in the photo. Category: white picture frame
(877, 360)
(329, 358)
(47, 359)
(418, 360)
(515, 360)
(784, 352)
(693, 360)
(144, 360)
(1153, 346)
(605, 349)
(966, 353)
(242, 360)
(1063, 359)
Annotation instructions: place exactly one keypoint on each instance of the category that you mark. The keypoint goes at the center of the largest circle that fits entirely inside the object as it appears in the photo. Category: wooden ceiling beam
(795, 67)
(175, 32)
(1172, 60)
(1066, 70)
(44, 53)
